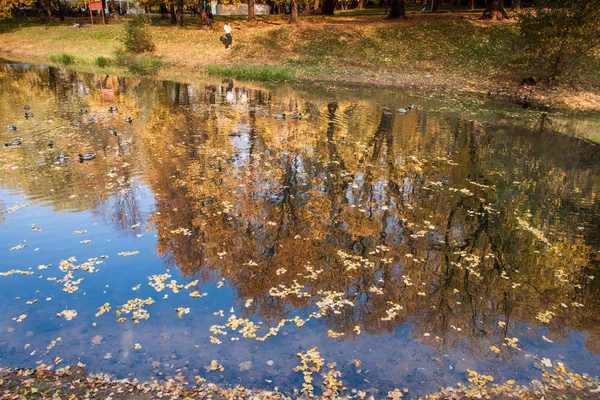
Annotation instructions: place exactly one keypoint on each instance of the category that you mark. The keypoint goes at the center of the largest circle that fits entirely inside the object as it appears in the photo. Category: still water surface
(406, 248)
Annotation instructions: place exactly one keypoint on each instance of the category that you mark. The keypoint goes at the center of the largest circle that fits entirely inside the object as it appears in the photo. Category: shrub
(137, 37)
(123, 57)
(102, 61)
(559, 39)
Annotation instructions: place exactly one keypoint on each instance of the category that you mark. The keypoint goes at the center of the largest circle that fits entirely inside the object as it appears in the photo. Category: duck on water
(86, 157)
(15, 142)
(282, 116)
(406, 110)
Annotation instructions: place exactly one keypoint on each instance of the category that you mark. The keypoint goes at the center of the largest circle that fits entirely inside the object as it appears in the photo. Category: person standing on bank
(228, 39)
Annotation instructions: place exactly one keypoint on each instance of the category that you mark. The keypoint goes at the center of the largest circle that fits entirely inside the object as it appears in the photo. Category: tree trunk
(397, 10)
(251, 10)
(173, 16)
(114, 11)
(328, 7)
(317, 5)
(437, 5)
(516, 5)
(360, 5)
(472, 4)
(46, 13)
(494, 10)
(61, 10)
(180, 13)
(294, 14)
(163, 11)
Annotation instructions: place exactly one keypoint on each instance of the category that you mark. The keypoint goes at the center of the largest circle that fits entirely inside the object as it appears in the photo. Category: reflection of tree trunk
(474, 144)
(186, 94)
(385, 125)
(52, 78)
(380, 136)
(176, 97)
(543, 119)
(252, 134)
(331, 108)
(334, 185)
(122, 86)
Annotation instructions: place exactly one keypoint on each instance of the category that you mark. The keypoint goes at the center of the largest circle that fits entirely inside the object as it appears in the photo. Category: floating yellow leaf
(181, 311)
(128, 253)
(214, 366)
(68, 314)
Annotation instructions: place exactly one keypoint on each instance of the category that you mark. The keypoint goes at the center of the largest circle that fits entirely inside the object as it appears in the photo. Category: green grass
(265, 73)
(144, 65)
(65, 59)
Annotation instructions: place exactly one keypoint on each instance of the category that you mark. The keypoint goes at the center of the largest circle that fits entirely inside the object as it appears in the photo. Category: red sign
(95, 5)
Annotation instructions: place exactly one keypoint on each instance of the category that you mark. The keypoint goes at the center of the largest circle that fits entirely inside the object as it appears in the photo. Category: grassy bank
(452, 51)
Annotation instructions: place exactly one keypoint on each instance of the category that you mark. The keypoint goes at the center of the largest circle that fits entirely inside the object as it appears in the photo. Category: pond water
(407, 248)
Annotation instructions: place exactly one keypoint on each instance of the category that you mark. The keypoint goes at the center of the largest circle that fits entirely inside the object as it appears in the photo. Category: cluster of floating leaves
(128, 253)
(136, 308)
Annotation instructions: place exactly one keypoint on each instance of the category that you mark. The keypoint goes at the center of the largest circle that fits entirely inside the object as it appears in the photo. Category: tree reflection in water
(472, 232)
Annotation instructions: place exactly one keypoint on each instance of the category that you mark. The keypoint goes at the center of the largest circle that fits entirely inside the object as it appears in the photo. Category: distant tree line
(46, 9)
